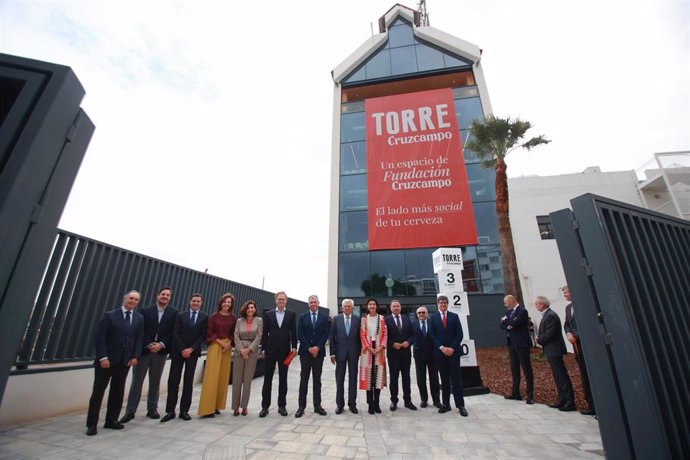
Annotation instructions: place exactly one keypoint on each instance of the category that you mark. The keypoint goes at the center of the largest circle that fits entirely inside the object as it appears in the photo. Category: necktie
(397, 323)
(347, 325)
(128, 318)
(313, 320)
(443, 316)
(424, 328)
(192, 320)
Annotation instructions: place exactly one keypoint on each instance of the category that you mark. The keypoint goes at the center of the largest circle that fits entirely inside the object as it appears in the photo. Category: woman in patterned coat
(372, 362)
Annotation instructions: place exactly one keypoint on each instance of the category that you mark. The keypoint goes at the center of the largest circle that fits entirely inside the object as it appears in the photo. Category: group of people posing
(360, 346)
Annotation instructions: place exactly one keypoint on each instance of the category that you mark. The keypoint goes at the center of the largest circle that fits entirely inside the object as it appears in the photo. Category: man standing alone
(570, 327)
(312, 331)
(515, 323)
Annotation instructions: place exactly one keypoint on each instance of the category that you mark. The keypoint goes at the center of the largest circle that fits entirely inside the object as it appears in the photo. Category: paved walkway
(495, 429)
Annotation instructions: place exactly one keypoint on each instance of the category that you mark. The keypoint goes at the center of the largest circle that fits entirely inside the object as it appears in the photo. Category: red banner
(418, 194)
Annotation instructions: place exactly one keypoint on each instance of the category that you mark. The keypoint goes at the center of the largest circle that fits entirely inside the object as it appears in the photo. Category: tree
(494, 139)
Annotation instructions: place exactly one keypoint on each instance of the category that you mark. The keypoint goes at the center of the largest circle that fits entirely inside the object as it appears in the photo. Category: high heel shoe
(236, 412)
(244, 411)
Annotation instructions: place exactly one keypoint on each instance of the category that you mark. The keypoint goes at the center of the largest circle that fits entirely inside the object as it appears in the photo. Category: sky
(214, 119)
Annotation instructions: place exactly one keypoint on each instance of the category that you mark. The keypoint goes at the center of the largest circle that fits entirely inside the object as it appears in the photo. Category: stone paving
(495, 429)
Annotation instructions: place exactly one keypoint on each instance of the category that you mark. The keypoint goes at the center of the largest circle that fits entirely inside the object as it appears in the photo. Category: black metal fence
(85, 278)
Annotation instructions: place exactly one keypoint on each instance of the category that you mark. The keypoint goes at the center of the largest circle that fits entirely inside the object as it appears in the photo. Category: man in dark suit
(446, 335)
(399, 353)
(189, 333)
(515, 323)
(423, 353)
(346, 346)
(280, 337)
(570, 327)
(312, 330)
(550, 338)
(159, 320)
(118, 346)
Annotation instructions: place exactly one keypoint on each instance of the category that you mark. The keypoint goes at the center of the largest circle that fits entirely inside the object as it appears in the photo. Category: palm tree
(494, 139)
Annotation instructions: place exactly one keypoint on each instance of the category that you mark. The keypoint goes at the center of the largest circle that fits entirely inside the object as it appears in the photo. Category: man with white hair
(346, 347)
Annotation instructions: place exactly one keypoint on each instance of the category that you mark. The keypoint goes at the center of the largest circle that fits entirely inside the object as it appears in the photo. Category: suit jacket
(518, 336)
(118, 341)
(279, 339)
(310, 336)
(570, 325)
(343, 344)
(449, 336)
(395, 335)
(158, 332)
(423, 346)
(550, 336)
(184, 336)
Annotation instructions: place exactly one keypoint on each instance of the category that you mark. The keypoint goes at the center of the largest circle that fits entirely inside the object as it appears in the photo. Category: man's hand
(332, 359)
(314, 351)
(571, 338)
(132, 362)
(187, 352)
(155, 347)
(405, 344)
(396, 346)
(509, 328)
(448, 351)
(105, 364)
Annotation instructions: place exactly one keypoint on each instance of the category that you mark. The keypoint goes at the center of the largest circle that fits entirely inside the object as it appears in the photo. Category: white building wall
(539, 263)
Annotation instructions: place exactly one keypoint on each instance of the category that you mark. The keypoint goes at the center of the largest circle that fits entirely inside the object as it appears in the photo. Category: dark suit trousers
(116, 376)
(449, 369)
(351, 364)
(520, 357)
(176, 366)
(563, 384)
(271, 360)
(421, 367)
(314, 366)
(580, 359)
(397, 365)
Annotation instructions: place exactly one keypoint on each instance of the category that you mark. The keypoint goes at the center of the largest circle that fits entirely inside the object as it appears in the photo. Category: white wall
(538, 260)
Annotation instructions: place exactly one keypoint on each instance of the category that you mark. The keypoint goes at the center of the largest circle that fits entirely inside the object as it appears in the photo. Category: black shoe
(298, 414)
(394, 407)
(588, 412)
(208, 416)
(444, 409)
(264, 412)
(463, 411)
(319, 410)
(153, 414)
(353, 409)
(91, 430)
(423, 404)
(529, 401)
(282, 411)
(437, 405)
(114, 425)
(557, 405)
(410, 406)
(568, 408)
(217, 412)
(371, 410)
(515, 397)
(377, 408)
(339, 410)
(127, 417)
(169, 416)
(185, 416)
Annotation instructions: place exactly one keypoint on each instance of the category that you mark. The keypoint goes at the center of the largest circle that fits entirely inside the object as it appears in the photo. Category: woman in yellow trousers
(219, 335)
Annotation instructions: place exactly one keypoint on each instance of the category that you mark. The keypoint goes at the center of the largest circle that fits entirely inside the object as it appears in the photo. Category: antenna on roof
(423, 15)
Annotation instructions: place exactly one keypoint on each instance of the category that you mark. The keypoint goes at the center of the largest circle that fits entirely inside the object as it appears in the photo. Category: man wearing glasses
(423, 352)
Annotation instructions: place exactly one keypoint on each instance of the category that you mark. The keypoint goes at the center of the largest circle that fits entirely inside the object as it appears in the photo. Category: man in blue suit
(446, 335)
(312, 332)
(399, 354)
(118, 346)
(515, 323)
(423, 353)
(159, 320)
(346, 346)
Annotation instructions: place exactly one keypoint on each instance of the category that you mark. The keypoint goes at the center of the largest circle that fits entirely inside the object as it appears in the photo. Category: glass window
(453, 61)
(419, 269)
(467, 110)
(492, 275)
(388, 274)
(358, 75)
(352, 127)
(470, 156)
(545, 227)
(353, 274)
(482, 182)
(400, 35)
(354, 231)
(465, 92)
(428, 58)
(403, 60)
(353, 158)
(353, 192)
(471, 279)
(486, 221)
(379, 65)
(356, 106)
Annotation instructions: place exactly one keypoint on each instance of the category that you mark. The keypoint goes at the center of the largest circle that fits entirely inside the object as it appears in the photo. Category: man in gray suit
(573, 336)
(346, 347)
(551, 340)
